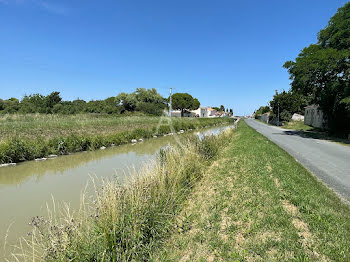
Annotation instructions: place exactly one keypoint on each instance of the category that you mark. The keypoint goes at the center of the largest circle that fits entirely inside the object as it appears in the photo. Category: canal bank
(26, 189)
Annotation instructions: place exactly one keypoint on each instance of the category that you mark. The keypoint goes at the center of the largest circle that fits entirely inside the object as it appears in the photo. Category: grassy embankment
(256, 203)
(309, 131)
(297, 125)
(26, 137)
(125, 222)
(253, 203)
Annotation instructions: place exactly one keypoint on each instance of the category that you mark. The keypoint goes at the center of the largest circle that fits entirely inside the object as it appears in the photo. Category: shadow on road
(316, 135)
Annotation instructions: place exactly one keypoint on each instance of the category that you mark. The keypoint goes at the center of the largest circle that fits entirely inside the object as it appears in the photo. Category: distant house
(200, 112)
(205, 112)
(177, 113)
(314, 117)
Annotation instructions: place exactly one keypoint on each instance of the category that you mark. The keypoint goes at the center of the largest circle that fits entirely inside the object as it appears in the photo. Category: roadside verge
(256, 203)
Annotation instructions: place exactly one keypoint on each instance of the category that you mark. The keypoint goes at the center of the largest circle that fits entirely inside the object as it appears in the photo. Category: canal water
(27, 189)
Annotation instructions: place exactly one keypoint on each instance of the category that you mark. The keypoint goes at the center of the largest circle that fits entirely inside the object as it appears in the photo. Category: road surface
(327, 160)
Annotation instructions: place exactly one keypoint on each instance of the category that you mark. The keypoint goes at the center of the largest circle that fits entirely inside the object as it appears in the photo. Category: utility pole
(278, 109)
(171, 90)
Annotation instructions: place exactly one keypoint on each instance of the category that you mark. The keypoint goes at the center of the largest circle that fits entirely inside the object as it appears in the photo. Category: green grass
(125, 222)
(297, 125)
(316, 133)
(258, 204)
(26, 137)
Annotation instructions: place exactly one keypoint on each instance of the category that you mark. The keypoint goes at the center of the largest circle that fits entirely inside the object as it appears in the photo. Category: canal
(26, 190)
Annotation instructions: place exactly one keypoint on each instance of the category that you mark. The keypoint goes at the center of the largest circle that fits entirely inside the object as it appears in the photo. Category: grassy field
(256, 203)
(26, 137)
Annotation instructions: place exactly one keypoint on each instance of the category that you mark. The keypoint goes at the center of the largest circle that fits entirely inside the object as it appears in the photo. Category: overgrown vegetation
(26, 137)
(125, 222)
(256, 203)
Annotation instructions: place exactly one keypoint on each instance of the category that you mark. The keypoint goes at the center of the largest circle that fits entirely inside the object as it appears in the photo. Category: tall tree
(184, 101)
(322, 70)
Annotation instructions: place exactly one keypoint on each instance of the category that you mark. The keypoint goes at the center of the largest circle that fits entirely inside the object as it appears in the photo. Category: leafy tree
(262, 110)
(184, 101)
(216, 108)
(144, 100)
(322, 70)
(52, 99)
(222, 108)
(285, 116)
(11, 105)
(128, 101)
(290, 102)
(35, 103)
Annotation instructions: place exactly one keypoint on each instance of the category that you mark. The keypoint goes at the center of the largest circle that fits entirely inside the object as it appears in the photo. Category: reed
(29, 137)
(124, 222)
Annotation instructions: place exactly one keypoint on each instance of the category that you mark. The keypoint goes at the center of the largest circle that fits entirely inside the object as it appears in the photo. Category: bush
(285, 116)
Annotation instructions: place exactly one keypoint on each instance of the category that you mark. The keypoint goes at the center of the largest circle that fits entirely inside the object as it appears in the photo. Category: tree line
(320, 75)
(147, 101)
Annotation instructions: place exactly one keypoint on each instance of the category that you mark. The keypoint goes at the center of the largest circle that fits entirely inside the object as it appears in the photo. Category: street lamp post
(278, 114)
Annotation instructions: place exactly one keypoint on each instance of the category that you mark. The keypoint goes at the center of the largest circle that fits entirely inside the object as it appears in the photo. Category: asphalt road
(327, 160)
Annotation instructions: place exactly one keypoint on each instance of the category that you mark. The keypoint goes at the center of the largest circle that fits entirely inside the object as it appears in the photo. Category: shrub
(285, 116)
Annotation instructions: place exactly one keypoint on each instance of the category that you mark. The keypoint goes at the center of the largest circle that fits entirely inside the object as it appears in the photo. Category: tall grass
(125, 222)
(30, 137)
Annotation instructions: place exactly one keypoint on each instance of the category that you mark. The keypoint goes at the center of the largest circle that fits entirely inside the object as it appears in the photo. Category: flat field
(48, 126)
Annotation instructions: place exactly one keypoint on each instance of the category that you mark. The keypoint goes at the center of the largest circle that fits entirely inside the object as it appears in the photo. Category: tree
(148, 101)
(184, 101)
(145, 100)
(11, 105)
(34, 103)
(291, 102)
(222, 108)
(322, 71)
(262, 110)
(52, 99)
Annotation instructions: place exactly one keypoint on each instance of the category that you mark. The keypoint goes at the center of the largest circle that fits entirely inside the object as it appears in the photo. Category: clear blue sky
(222, 52)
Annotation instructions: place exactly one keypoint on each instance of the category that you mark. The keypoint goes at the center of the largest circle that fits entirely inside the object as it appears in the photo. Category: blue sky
(222, 52)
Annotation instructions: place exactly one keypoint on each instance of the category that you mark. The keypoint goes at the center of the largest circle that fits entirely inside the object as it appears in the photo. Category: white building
(200, 112)
(205, 112)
